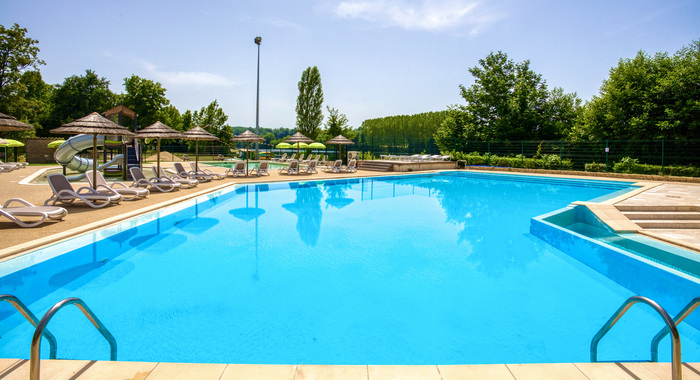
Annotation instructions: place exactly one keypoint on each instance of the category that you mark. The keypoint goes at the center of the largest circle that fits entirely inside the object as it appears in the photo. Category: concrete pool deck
(17, 240)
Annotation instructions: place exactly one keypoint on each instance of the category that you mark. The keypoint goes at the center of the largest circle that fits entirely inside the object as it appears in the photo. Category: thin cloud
(187, 78)
(432, 15)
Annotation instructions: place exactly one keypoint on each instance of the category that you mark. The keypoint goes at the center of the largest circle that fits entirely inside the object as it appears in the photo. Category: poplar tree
(309, 103)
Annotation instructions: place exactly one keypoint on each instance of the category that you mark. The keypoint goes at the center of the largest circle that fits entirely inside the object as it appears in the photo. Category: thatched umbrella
(297, 138)
(196, 134)
(158, 131)
(93, 124)
(339, 140)
(9, 123)
(247, 136)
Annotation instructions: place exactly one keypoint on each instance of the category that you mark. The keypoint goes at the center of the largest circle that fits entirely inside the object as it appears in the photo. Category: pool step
(663, 217)
(376, 166)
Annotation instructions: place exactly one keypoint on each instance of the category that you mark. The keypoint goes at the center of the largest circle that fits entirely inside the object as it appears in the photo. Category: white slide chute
(66, 154)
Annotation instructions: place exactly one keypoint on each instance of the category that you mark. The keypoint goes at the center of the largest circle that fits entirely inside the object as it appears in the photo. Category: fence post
(522, 153)
(488, 157)
(607, 150)
(662, 155)
(561, 153)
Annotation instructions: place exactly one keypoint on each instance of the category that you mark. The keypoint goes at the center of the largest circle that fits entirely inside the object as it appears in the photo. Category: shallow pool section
(417, 269)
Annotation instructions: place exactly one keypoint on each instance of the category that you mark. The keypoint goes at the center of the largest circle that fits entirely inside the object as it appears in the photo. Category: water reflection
(248, 214)
(307, 208)
(336, 194)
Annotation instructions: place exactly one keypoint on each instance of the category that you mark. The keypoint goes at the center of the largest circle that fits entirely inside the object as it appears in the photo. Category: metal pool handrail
(19, 305)
(676, 371)
(687, 310)
(35, 350)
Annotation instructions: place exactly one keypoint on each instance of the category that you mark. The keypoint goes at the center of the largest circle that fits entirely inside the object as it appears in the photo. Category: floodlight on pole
(258, 40)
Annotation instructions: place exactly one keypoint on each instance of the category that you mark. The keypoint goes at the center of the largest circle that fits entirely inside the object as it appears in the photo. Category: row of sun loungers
(10, 166)
(415, 157)
(101, 193)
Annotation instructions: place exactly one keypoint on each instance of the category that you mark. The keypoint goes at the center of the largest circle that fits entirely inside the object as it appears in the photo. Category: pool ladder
(35, 349)
(671, 327)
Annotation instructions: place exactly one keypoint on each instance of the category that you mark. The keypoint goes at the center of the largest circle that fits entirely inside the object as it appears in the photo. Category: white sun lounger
(140, 180)
(63, 192)
(29, 210)
(186, 183)
(129, 193)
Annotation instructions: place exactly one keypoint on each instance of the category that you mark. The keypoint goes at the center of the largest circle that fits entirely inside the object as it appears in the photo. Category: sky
(377, 58)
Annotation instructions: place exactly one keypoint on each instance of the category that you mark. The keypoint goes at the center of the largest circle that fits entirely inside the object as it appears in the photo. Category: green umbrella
(283, 145)
(10, 143)
(300, 145)
(55, 144)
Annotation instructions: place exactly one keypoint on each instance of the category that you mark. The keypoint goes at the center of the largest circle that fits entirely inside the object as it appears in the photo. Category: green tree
(456, 127)
(509, 101)
(170, 116)
(79, 96)
(17, 53)
(187, 123)
(145, 97)
(309, 103)
(213, 119)
(336, 123)
(649, 97)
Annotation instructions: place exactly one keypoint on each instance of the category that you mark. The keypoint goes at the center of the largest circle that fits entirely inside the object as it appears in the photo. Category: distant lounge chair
(186, 183)
(290, 158)
(220, 157)
(185, 157)
(351, 167)
(152, 183)
(128, 192)
(334, 167)
(191, 174)
(262, 168)
(214, 175)
(237, 169)
(281, 159)
(310, 168)
(10, 166)
(292, 168)
(63, 192)
(29, 210)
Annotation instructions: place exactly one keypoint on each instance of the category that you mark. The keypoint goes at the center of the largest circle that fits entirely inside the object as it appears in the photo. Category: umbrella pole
(158, 153)
(247, 153)
(196, 155)
(94, 162)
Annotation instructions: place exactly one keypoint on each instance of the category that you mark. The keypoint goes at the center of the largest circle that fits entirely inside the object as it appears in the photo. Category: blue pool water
(419, 269)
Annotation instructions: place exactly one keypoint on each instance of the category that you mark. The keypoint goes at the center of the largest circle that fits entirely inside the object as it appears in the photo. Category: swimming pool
(417, 269)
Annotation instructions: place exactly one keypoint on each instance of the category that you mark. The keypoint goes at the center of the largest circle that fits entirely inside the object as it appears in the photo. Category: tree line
(645, 98)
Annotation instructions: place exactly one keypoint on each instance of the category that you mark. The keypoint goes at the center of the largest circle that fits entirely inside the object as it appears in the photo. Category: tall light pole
(258, 40)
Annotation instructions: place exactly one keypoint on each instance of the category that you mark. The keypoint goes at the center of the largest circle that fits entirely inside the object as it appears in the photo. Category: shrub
(595, 167)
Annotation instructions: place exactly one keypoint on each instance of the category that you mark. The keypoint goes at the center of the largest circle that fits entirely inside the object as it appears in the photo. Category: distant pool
(251, 165)
(416, 269)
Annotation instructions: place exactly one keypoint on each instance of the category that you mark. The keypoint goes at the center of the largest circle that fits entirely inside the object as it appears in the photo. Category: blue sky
(376, 57)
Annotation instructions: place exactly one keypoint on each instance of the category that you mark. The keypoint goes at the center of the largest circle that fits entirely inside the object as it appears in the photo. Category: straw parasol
(339, 140)
(247, 136)
(93, 124)
(297, 138)
(9, 123)
(158, 131)
(196, 134)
